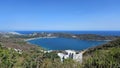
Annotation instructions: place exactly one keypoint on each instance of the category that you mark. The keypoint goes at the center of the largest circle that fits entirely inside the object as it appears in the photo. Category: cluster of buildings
(71, 54)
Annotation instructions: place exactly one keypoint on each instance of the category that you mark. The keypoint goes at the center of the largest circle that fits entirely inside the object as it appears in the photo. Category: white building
(71, 54)
(78, 57)
(61, 55)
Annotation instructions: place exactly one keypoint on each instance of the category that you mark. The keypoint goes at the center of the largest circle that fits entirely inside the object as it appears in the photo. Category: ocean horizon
(103, 33)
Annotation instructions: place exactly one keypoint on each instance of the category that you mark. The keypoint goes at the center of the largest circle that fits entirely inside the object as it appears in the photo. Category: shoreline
(27, 40)
(58, 37)
(38, 38)
(102, 40)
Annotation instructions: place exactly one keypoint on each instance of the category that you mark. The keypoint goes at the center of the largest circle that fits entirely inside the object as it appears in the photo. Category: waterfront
(65, 43)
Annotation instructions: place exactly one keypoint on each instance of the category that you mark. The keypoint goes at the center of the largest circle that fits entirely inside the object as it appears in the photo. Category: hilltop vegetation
(33, 59)
(104, 56)
(109, 58)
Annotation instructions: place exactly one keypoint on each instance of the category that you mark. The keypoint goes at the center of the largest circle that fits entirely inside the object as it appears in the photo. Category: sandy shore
(38, 38)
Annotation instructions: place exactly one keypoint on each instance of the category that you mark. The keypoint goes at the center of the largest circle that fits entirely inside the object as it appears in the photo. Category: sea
(69, 44)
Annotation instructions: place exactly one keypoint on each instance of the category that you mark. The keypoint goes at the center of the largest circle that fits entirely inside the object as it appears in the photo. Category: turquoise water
(65, 43)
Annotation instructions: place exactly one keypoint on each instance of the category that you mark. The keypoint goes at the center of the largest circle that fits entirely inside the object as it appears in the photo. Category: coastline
(101, 40)
(42, 38)
(38, 38)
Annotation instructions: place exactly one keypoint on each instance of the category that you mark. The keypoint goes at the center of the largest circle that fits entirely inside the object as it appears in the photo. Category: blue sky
(59, 14)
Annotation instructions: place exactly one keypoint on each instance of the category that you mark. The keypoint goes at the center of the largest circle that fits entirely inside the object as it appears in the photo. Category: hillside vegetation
(33, 59)
(104, 56)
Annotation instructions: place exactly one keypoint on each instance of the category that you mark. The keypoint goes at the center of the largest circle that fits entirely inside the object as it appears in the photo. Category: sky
(59, 15)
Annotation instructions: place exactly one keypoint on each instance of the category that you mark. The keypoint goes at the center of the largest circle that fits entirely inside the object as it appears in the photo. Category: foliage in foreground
(109, 58)
(9, 58)
(104, 56)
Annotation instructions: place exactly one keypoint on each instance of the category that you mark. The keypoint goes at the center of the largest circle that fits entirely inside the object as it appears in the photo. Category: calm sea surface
(64, 43)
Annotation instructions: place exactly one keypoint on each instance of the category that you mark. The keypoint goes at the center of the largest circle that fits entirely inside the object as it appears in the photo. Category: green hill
(104, 56)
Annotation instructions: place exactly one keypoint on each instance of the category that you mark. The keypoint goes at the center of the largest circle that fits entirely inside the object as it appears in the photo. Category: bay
(65, 43)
